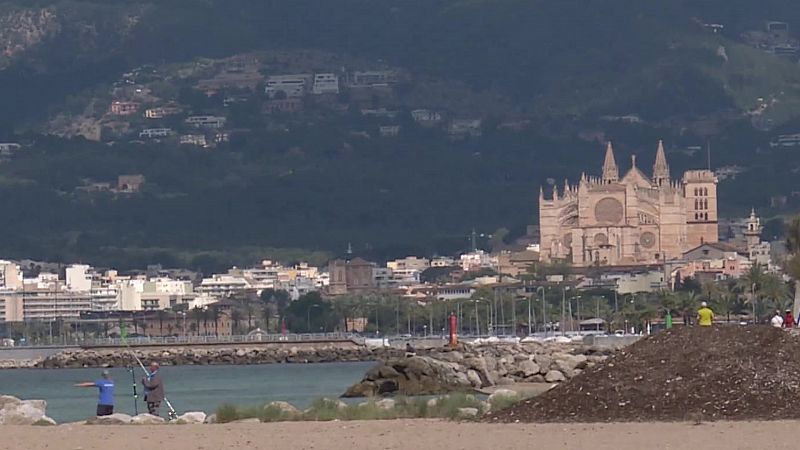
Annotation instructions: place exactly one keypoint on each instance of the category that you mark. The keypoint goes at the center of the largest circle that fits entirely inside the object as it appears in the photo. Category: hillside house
(325, 83)
(290, 85)
(161, 112)
(130, 183)
(152, 133)
(198, 140)
(124, 108)
(215, 122)
(285, 105)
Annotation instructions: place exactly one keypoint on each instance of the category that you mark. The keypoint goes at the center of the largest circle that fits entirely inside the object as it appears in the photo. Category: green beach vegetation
(324, 409)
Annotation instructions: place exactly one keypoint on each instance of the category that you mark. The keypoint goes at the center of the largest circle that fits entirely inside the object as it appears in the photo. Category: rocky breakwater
(216, 355)
(470, 368)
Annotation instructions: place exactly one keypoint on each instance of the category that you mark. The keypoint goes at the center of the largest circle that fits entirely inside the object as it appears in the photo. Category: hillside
(542, 76)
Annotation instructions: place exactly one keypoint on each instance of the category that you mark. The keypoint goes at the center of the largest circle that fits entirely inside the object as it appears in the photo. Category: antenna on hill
(474, 240)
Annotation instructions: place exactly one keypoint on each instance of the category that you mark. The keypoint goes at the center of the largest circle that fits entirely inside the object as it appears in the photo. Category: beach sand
(406, 434)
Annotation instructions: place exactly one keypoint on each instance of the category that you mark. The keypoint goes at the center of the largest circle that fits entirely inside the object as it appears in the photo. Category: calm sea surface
(189, 388)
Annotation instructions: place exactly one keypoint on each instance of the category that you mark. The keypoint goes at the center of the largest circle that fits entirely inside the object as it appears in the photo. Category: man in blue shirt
(105, 401)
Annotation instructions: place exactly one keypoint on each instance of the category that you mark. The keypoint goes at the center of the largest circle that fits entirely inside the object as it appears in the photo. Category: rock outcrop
(475, 367)
(14, 411)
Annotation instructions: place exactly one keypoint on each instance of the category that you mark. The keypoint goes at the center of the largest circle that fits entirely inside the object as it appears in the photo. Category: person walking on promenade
(153, 389)
(105, 400)
(788, 320)
(777, 320)
(705, 316)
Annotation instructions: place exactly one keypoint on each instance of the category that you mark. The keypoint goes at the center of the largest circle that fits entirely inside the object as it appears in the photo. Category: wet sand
(406, 434)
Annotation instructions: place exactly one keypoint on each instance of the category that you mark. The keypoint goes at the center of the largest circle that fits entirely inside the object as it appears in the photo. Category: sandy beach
(406, 434)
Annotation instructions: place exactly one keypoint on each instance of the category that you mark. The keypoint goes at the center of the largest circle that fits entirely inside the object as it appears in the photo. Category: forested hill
(552, 57)
(556, 66)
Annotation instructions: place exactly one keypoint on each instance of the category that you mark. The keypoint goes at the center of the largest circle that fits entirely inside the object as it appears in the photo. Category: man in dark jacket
(153, 389)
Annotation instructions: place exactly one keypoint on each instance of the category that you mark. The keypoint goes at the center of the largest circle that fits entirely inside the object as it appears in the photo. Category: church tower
(752, 232)
(610, 171)
(660, 168)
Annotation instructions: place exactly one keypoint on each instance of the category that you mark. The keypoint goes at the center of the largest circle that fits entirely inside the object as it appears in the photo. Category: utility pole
(544, 312)
(563, 308)
(477, 320)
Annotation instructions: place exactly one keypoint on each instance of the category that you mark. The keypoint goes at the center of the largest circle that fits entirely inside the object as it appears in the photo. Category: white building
(194, 139)
(410, 262)
(325, 83)
(291, 85)
(221, 286)
(465, 127)
(426, 116)
(158, 293)
(79, 278)
(10, 275)
(443, 261)
(478, 260)
(214, 122)
(151, 133)
(373, 78)
(43, 301)
(8, 148)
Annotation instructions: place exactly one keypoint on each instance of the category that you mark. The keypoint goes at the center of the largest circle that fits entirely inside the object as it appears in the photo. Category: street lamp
(183, 314)
(544, 315)
(308, 317)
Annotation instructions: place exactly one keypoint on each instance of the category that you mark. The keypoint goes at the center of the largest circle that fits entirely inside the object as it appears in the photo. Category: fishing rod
(135, 393)
(171, 413)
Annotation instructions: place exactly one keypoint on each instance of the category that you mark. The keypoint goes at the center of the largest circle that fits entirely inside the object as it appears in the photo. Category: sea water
(189, 388)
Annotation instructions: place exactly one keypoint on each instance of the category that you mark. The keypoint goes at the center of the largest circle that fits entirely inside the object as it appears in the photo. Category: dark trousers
(105, 410)
(152, 407)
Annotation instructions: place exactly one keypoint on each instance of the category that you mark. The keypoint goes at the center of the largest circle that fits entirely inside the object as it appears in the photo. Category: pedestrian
(788, 319)
(105, 386)
(153, 389)
(777, 320)
(705, 316)
(410, 351)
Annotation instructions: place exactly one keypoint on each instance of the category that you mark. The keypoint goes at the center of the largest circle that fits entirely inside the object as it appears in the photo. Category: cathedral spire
(610, 172)
(660, 168)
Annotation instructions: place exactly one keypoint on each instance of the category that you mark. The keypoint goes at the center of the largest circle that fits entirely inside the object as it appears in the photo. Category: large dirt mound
(686, 373)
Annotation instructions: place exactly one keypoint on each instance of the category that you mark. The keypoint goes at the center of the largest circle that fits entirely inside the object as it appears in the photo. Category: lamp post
(530, 313)
(183, 314)
(308, 317)
(544, 312)
(477, 319)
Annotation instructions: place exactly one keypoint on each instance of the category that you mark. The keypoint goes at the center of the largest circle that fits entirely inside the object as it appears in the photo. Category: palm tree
(215, 314)
(750, 286)
(775, 291)
(793, 263)
(724, 301)
(161, 315)
(687, 304)
(196, 314)
(236, 318)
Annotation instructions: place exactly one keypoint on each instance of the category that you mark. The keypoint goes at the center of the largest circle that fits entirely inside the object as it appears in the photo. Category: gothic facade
(633, 220)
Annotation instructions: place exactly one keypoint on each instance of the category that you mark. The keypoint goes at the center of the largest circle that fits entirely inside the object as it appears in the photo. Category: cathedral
(633, 220)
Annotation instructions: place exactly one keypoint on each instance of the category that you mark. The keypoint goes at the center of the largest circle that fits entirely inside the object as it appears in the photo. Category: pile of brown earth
(681, 374)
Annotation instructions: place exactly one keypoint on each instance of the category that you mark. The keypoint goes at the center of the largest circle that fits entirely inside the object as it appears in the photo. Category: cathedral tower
(610, 171)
